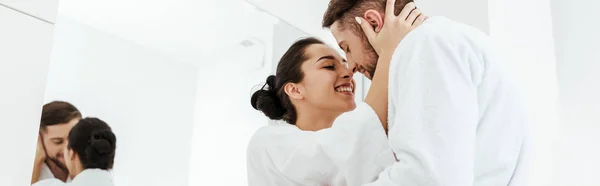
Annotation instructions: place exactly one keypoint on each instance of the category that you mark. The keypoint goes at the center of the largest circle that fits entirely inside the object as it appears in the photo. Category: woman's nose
(352, 66)
(347, 73)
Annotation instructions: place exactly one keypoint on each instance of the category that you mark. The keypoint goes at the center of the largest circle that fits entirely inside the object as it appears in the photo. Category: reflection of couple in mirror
(72, 150)
(439, 111)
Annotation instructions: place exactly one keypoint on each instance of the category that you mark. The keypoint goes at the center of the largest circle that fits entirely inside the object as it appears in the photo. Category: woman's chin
(349, 106)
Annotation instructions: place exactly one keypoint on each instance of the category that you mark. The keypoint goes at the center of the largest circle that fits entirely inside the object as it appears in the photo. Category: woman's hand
(394, 27)
(385, 42)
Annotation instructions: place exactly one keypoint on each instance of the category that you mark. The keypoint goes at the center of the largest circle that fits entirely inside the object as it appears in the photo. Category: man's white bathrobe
(455, 117)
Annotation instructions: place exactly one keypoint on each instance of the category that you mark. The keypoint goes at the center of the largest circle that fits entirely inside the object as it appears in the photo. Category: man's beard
(58, 164)
(371, 58)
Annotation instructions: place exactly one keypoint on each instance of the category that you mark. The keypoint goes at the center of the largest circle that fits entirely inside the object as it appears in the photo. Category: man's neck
(57, 171)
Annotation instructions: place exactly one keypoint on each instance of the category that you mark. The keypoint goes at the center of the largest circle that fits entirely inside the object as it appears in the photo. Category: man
(454, 117)
(58, 118)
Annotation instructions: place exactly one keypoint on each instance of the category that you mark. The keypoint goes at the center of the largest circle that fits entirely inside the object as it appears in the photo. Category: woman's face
(328, 83)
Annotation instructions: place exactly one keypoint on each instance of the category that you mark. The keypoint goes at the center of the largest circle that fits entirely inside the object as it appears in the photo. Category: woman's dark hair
(94, 142)
(272, 99)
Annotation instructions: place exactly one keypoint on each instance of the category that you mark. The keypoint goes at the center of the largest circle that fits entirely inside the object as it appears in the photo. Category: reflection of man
(58, 118)
(454, 116)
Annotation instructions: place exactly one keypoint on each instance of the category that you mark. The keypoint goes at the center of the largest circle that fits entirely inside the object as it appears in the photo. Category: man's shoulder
(447, 35)
(441, 28)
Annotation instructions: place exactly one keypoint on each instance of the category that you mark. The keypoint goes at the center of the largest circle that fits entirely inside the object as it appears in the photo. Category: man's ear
(375, 19)
(293, 91)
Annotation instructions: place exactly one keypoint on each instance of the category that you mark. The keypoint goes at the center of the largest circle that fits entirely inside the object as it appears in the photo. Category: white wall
(576, 31)
(284, 35)
(42, 10)
(527, 46)
(147, 100)
(25, 45)
(225, 121)
(472, 12)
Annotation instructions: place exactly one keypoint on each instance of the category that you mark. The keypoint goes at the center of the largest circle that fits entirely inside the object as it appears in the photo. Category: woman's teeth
(344, 89)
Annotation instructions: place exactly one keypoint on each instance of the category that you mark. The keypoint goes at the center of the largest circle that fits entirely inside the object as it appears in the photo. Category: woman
(89, 155)
(319, 144)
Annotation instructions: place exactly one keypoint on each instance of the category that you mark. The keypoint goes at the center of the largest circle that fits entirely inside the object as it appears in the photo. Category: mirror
(172, 79)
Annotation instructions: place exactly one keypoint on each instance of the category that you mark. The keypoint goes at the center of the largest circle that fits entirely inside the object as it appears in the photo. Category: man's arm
(433, 126)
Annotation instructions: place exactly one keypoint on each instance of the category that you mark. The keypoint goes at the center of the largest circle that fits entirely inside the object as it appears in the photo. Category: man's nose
(352, 67)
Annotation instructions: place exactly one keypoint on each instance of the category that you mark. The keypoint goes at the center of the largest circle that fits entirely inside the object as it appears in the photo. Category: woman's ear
(375, 19)
(293, 91)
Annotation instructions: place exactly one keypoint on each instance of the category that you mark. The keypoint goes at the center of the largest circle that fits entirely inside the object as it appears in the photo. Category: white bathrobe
(352, 152)
(455, 118)
(88, 177)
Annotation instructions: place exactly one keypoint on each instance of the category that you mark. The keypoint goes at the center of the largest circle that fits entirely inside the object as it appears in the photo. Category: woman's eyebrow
(326, 57)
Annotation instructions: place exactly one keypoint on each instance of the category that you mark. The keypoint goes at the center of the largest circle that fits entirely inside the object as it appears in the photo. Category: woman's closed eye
(330, 67)
(329, 62)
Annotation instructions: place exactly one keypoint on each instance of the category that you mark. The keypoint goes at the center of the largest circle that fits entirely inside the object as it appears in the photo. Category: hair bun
(267, 100)
(271, 82)
(100, 142)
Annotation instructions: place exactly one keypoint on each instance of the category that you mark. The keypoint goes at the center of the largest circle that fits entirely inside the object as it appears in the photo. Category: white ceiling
(197, 32)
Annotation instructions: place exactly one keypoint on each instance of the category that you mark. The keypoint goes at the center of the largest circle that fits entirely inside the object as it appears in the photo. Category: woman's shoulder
(275, 137)
(272, 133)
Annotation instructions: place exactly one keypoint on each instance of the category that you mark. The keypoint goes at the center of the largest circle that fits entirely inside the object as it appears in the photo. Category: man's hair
(345, 12)
(58, 112)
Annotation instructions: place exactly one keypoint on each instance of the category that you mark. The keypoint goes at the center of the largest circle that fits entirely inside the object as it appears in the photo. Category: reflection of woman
(313, 88)
(89, 155)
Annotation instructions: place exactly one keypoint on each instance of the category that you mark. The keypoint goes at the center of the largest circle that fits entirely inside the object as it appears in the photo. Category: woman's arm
(385, 42)
(377, 97)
